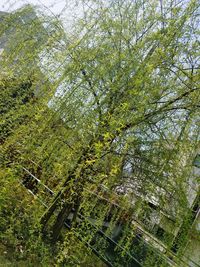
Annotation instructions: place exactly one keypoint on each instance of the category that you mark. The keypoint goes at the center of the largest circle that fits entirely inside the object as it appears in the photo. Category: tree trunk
(60, 220)
(60, 195)
(77, 188)
(66, 209)
(48, 213)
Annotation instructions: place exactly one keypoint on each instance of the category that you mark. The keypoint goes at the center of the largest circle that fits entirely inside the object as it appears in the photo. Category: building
(22, 37)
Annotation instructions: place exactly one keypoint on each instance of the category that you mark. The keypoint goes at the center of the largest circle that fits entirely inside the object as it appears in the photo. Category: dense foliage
(109, 120)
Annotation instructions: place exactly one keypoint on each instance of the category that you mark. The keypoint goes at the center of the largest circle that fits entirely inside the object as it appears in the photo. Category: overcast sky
(56, 6)
(66, 10)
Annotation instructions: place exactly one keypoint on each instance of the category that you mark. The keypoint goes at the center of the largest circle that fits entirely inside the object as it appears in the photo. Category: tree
(126, 83)
(121, 121)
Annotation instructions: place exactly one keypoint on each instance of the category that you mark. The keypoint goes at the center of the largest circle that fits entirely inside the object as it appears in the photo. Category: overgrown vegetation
(108, 120)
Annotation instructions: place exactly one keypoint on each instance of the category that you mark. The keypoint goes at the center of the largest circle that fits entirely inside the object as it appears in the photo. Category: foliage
(19, 214)
(115, 130)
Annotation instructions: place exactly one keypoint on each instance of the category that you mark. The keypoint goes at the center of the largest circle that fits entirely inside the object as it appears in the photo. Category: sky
(66, 10)
(56, 6)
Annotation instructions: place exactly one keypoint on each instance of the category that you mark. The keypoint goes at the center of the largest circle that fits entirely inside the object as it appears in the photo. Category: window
(152, 206)
(196, 162)
(159, 232)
